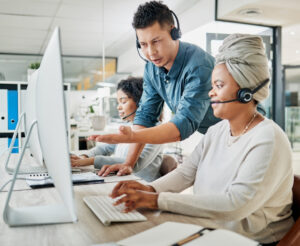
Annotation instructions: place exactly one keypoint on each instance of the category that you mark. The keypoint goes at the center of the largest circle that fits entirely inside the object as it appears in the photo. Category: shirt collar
(178, 62)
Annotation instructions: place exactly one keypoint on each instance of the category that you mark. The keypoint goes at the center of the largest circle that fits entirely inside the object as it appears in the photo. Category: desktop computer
(28, 118)
(51, 124)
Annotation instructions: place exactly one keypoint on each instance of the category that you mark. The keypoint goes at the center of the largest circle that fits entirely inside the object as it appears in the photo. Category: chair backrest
(296, 197)
(292, 238)
(168, 164)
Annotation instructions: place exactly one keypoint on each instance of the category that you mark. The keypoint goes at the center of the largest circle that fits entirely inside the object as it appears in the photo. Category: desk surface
(87, 230)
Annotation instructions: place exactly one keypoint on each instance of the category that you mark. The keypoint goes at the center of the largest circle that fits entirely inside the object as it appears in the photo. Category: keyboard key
(103, 208)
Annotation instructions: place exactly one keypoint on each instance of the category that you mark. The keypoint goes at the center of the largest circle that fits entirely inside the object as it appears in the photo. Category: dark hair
(132, 87)
(150, 12)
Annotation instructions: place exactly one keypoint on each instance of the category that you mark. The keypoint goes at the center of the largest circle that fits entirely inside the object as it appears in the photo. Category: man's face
(157, 45)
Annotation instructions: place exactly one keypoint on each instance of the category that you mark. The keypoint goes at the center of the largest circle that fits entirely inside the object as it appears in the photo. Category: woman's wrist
(150, 188)
(129, 164)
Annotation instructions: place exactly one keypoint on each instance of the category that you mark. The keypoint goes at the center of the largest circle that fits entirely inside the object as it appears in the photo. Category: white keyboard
(28, 169)
(103, 208)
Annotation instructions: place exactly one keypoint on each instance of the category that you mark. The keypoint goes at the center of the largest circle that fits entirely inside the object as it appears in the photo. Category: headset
(175, 34)
(245, 95)
(125, 117)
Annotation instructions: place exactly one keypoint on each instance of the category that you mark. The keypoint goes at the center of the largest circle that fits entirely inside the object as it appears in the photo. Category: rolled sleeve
(150, 107)
(194, 102)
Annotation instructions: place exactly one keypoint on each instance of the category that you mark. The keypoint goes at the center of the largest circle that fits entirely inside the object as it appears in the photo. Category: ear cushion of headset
(245, 95)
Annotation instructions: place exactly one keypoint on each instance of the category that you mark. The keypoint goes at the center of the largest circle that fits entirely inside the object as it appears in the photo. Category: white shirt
(245, 187)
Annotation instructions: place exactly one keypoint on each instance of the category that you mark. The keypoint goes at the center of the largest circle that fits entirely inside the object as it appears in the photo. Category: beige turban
(245, 59)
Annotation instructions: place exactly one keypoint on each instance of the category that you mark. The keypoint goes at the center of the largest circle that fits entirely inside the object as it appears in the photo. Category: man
(177, 73)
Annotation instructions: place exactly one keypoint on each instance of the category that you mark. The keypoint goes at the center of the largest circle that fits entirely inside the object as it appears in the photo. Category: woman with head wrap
(241, 170)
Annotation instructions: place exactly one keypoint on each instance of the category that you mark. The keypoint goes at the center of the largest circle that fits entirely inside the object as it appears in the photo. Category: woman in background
(148, 165)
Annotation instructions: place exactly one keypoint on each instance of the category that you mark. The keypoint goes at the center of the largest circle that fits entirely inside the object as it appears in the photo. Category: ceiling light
(251, 12)
(297, 51)
(292, 33)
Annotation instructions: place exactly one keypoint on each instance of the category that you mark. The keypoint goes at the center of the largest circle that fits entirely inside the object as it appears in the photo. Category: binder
(22, 104)
(16, 145)
(12, 109)
(3, 110)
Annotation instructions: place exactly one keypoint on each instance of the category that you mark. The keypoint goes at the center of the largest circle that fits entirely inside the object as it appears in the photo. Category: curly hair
(150, 12)
(132, 87)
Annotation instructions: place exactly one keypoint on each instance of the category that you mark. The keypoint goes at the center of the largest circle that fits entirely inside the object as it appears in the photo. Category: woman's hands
(120, 169)
(135, 195)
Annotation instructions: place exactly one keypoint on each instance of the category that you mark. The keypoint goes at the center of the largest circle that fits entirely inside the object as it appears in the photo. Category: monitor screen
(52, 132)
(51, 118)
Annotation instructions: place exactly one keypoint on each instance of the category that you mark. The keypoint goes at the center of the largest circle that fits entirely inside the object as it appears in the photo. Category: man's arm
(135, 150)
(164, 133)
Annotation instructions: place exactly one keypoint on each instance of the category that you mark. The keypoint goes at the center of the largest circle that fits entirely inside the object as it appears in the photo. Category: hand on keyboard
(131, 184)
(135, 195)
(103, 208)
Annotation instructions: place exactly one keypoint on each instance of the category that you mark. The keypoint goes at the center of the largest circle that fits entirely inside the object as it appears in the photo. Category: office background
(98, 46)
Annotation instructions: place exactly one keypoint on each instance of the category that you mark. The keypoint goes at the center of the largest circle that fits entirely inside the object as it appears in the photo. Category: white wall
(198, 15)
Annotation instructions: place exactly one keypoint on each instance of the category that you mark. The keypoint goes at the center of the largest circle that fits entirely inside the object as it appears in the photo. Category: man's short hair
(150, 12)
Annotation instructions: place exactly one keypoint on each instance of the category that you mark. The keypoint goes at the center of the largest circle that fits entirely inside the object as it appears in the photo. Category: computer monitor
(52, 132)
(30, 110)
(28, 118)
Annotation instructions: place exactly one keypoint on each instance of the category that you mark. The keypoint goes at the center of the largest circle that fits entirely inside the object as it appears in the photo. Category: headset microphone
(245, 95)
(138, 51)
(233, 100)
(175, 34)
(125, 117)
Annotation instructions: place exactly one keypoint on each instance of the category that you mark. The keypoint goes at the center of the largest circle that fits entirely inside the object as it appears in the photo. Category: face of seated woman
(126, 106)
(225, 88)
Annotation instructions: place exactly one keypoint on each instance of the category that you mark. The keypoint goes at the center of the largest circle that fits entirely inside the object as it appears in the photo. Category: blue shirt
(184, 89)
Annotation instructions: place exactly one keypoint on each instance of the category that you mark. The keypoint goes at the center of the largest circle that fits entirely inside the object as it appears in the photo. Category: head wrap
(245, 58)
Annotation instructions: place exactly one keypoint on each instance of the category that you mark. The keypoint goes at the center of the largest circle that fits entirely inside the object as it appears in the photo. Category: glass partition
(83, 73)
(210, 37)
(292, 104)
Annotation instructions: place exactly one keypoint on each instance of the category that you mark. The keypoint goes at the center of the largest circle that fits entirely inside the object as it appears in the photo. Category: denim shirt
(184, 89)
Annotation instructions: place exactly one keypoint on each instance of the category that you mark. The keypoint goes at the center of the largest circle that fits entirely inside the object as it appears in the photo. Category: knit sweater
(241, 183)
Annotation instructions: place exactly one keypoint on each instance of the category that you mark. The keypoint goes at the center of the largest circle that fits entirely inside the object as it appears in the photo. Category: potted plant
(32, 67)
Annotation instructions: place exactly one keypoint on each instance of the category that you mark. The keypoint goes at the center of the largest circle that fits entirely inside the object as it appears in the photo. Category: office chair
(292, 238)
(168, 164)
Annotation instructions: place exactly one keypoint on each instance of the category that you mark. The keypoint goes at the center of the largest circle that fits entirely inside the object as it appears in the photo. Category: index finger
(92, 138)
(115, 190)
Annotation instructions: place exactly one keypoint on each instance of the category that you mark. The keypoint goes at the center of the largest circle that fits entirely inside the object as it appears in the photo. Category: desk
(87, 231)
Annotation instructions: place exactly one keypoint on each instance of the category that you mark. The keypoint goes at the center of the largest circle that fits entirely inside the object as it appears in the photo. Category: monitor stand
(25, 170)
(34, 215)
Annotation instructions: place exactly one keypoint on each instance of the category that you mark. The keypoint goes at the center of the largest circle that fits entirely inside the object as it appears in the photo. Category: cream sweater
(245, 187)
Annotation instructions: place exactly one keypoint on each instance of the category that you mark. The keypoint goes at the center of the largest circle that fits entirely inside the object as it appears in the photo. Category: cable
(3, 186)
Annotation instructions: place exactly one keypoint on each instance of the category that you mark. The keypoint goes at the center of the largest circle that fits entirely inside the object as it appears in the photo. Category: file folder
(3, 110)
(12, 109)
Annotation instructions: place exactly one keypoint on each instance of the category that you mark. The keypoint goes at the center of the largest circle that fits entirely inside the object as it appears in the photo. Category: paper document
(170, 233)
(161, 235)
(219, 236)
